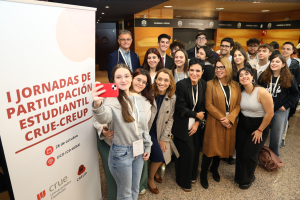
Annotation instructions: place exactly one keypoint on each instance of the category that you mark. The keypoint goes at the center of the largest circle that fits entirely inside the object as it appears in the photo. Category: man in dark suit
(200, 41)
(123, 54)
(163, 44)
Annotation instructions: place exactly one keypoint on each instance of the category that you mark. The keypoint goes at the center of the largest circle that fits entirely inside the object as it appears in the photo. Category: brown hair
(147, 91)
(172, 87)
(265, 46)
(186, 64)
(285, 74)
(122, 95)
(228, 68)
(159, 64)
(210, 43)
(234, 67)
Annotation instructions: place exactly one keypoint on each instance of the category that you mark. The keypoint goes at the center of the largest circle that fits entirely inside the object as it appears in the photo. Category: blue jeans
(278, 125)
(126, 171)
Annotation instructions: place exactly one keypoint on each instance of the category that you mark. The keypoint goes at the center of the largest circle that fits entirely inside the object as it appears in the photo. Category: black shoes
(231, 160)
(203, 180)
(246, 186)
(216, 175)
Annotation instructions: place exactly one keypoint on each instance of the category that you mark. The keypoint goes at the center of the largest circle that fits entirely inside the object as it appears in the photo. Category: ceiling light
(106, 6)
(102, 13)
(168, 6)
(219, 8)
(265, 10)
(256, 1)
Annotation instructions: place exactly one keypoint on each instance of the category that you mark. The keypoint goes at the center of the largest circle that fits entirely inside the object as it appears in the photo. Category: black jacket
(295, 70)
(184, 106)
(191, 52)
(286, 97)
(208, 73)
(169, 62)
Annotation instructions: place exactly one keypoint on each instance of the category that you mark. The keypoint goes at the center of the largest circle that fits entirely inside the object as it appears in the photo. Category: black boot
(214, 168)
(204, 168)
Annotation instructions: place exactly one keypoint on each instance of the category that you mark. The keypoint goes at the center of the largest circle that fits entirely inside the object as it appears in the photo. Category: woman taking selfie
(252, 131)
(126, 117)
(223, 96)
(139, 85)
(189, 111)
(152, 62)
(181, 65)
(160, 124)
(280, 83)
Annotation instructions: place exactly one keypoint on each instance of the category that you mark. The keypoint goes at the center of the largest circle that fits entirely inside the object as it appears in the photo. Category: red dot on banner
(49, 150)
(50, 161)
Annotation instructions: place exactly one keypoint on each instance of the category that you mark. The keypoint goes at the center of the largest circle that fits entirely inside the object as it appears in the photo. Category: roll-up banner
(47, 67)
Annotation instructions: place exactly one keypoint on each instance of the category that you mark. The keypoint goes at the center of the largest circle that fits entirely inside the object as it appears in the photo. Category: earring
(253, 81)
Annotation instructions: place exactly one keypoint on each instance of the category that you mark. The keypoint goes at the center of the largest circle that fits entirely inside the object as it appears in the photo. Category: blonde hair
(228, 68)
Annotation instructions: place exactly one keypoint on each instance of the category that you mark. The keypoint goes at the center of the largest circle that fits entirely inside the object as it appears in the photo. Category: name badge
(138, 147)
(227, 113)
(191, 122)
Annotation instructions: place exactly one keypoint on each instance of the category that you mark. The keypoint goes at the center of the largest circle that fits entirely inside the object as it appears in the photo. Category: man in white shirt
(226, 46)
(252, 47)
(163, 44)
(263, 54)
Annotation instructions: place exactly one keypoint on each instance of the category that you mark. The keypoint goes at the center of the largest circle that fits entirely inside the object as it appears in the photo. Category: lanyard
(195, 52)
(123, 58)
(271, 85)
(227, 102)
(195, 101)
(178, 76)
(133, 115)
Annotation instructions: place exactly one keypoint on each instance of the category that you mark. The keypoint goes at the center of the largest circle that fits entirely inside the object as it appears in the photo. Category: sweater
(110, 113)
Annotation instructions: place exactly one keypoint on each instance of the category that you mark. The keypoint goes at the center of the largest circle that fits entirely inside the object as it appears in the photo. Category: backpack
(268, 159)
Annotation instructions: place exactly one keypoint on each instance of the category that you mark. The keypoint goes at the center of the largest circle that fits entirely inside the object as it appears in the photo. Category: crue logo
(41, 195)
(58, 184)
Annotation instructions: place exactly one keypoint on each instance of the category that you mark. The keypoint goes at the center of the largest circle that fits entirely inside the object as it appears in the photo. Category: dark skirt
(156, 154)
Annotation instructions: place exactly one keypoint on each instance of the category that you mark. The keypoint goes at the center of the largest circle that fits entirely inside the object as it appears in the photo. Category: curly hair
(285, 74)
(171, 89)
(176, 43)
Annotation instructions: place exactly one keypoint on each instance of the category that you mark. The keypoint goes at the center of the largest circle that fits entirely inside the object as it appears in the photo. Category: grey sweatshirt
(110, 113)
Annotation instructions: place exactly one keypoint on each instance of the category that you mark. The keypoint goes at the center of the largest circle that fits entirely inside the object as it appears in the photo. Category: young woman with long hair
(152, 62)
(126, 117)
(206, 55)
(280, 83)
(181, 65)
(160, 125)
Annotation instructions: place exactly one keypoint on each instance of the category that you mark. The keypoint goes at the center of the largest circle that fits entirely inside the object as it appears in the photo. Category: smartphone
(112, 90)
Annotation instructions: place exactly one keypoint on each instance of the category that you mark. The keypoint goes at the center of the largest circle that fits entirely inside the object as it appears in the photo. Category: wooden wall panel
(238, 35)
(243, 17)
(280, 16)
(146, 38)
(156, 13)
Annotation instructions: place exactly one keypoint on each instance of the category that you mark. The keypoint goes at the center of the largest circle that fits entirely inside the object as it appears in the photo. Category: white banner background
(42, 43)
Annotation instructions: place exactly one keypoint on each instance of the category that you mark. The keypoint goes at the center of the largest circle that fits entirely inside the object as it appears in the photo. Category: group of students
(201, 101)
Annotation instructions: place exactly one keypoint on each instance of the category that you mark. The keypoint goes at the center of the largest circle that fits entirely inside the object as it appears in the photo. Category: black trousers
(5, 171)
(186, 166)
(246, 150)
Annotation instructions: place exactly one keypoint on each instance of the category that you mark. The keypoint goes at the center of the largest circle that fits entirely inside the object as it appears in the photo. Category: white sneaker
(143, 192)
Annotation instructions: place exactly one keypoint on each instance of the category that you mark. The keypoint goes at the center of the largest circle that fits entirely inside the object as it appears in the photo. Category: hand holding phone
(96, 91)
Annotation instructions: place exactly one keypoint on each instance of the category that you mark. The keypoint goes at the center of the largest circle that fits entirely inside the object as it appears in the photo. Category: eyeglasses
(123, 40)
(220, 68)
(201, 38)
(141, 81)
(225, 46)
(253, 46)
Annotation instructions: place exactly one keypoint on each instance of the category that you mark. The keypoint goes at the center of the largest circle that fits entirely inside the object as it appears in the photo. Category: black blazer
(184, 106)
(169, 62)
(191, 52)
(208, 73)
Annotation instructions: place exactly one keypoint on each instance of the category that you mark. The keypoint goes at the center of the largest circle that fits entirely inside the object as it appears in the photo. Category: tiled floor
(282, 184)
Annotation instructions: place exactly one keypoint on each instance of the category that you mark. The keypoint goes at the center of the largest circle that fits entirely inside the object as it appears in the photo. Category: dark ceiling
(118, 9)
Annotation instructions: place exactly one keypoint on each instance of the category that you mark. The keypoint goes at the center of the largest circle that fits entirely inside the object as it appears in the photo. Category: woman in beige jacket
(161, 123)
(223, 96)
